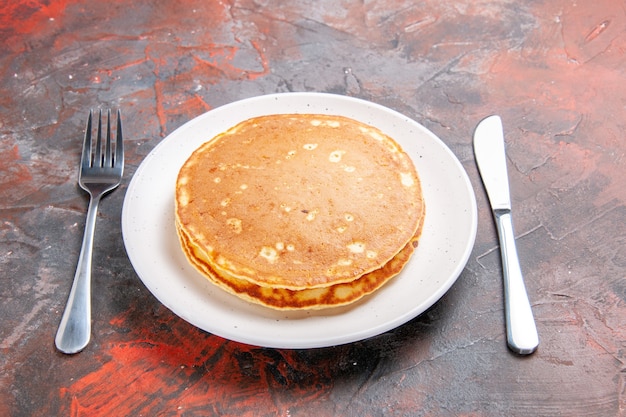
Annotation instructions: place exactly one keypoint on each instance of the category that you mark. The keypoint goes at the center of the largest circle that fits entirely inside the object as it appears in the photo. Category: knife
(490, 155)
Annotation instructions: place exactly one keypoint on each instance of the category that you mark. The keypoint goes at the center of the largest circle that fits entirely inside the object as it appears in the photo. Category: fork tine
(107, 147)
(85, 161)
(97, 160)
(119, 142)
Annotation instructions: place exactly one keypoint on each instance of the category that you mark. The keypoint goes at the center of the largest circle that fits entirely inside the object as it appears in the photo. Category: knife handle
(522, 336)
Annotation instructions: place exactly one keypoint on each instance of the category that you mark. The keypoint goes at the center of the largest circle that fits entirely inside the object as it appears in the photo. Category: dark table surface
(555, 71)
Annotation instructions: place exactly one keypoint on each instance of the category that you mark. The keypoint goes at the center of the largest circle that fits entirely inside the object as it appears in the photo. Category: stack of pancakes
(299, 211)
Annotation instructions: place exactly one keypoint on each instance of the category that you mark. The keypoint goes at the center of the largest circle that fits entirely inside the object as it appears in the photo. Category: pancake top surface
(299, 201)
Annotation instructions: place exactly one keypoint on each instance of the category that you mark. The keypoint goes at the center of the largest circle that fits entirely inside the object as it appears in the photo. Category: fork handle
(75, 328)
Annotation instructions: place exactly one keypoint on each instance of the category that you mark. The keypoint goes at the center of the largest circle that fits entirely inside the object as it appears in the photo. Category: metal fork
(100, 172)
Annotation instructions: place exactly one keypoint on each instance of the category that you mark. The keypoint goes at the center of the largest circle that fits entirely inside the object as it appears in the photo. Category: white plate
(152, 244)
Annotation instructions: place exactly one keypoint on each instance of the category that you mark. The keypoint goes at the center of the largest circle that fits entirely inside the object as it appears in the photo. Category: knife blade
(490, 154)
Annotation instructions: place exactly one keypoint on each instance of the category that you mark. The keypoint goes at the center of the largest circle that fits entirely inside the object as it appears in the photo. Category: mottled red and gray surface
(555, 70)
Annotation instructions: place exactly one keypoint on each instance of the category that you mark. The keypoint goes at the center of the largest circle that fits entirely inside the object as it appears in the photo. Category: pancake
(310, 299)
(297, 202)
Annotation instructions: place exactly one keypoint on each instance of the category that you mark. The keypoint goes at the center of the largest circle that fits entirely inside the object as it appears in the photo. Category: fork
(100, 172)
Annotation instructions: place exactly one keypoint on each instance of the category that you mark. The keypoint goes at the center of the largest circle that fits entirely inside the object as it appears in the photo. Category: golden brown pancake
(313, 299)
(298, 201)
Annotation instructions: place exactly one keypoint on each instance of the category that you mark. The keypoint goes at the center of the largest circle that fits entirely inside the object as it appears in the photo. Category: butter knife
(490, 155)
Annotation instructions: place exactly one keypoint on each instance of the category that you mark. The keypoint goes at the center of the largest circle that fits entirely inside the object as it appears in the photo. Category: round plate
(152, 244)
